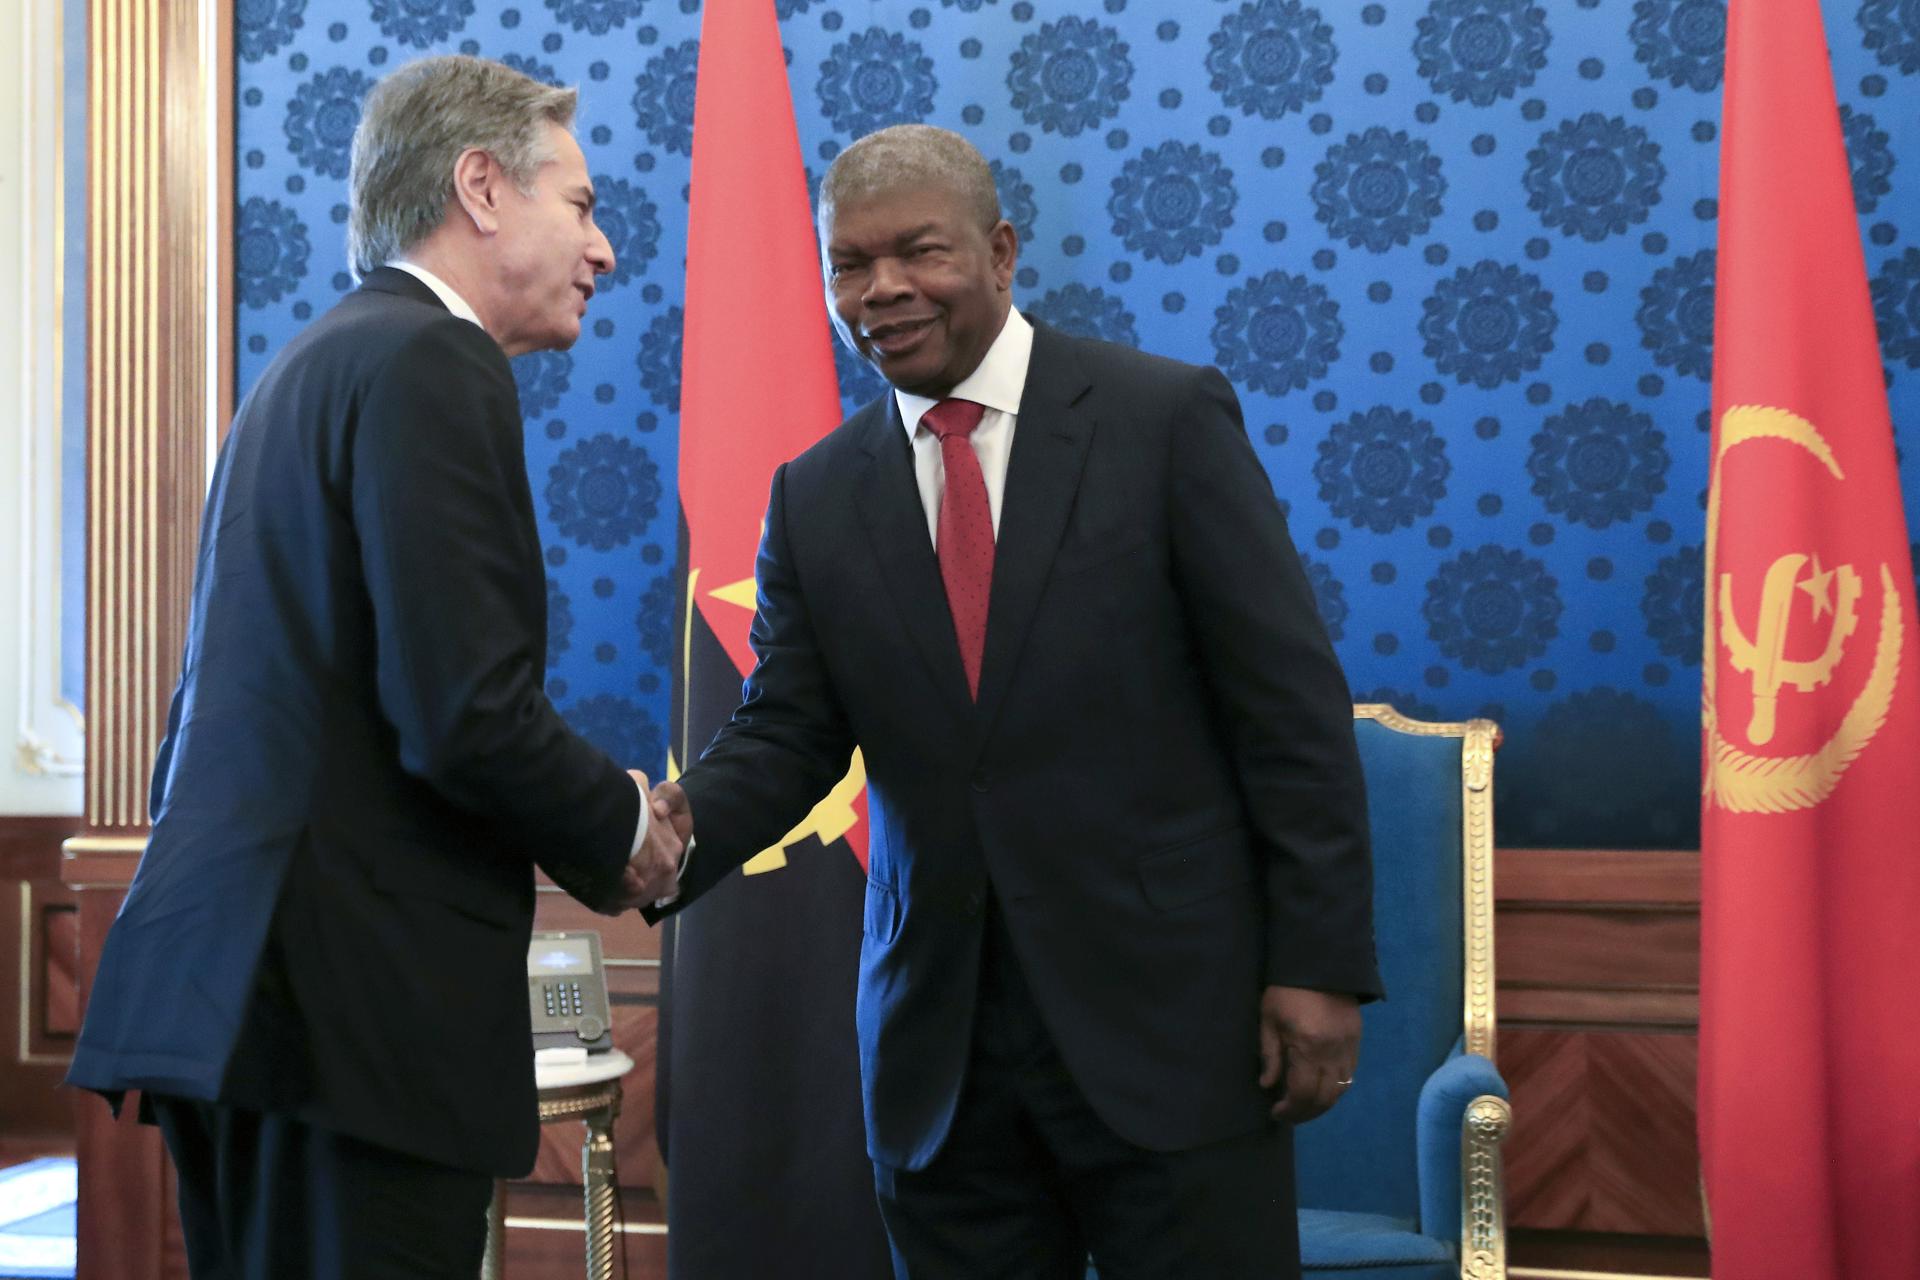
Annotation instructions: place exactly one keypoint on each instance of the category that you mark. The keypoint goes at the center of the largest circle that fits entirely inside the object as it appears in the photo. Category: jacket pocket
(1197, 870)
(883, 912)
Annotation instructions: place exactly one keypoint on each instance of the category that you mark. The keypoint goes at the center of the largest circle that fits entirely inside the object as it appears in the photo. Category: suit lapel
(1049, 450)
(888, 498)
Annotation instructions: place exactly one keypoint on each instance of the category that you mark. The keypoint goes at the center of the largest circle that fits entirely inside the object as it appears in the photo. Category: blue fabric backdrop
(1457, 257)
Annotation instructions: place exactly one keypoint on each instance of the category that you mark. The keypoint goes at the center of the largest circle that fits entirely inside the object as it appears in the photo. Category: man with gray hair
(1119, 912)
(316, 980)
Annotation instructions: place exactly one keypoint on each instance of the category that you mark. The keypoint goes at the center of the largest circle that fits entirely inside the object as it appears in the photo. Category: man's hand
(1309, 1047)
(670, 805)
(654, 871)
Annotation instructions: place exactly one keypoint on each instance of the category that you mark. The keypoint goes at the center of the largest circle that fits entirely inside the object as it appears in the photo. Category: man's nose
(887, 282)
(600, 252)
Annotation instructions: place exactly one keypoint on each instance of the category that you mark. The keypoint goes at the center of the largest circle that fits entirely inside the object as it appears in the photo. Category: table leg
(596, 1159)
(493, 1262)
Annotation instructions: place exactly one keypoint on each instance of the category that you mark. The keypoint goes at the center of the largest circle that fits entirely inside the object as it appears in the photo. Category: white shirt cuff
(646, 816)
(686, 856)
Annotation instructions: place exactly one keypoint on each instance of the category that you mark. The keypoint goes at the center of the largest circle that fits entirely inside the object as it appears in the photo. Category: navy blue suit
(361, 768)
(1156, 800)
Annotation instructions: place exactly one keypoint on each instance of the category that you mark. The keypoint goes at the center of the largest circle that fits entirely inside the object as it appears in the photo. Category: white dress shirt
(441, 290)
(996, 383)
(453, 302)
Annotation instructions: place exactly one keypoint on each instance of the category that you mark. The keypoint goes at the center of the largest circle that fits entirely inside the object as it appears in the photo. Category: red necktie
(964, 541)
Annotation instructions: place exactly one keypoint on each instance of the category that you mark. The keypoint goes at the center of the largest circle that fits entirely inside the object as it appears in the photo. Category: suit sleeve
(446, 553)
(786, 745)
(1281, 695)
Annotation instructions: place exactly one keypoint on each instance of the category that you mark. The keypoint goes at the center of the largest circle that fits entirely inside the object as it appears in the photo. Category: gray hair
(910, 155)
(414, 125)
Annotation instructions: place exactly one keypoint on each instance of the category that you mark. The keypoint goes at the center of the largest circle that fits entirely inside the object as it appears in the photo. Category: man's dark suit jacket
(1159, 781)
(360, 766)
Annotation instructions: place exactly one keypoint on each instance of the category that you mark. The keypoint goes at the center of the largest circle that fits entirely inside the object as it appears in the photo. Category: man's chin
(915, 377)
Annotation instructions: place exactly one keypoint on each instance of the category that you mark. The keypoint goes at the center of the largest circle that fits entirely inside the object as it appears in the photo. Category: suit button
(981, 780)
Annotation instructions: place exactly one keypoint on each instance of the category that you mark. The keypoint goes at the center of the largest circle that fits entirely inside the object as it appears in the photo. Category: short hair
(413, 127)
(905, 156)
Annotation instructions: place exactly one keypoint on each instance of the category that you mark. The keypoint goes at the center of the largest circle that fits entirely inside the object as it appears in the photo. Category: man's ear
(477, 179)
(1003, 242)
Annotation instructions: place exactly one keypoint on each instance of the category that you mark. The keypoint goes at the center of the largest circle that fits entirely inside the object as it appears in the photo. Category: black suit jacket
(361, 767)
(1158, 782)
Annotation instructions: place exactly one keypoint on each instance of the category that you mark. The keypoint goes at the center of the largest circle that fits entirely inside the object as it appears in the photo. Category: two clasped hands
(653, 873)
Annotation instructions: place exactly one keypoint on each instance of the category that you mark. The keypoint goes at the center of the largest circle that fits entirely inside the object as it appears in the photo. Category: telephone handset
(567, 991)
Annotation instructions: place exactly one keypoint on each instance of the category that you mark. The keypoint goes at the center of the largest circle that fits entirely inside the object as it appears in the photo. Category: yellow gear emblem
(1741, 781)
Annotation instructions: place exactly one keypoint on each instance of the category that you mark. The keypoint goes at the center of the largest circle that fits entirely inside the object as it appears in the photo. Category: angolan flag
(1810, 825)
(759, 1092)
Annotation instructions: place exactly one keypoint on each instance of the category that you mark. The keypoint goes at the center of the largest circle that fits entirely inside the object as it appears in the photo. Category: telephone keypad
(563, 998)
(566, 992)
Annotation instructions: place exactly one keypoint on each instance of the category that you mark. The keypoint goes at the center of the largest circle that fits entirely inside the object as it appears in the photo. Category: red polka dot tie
(964, 537)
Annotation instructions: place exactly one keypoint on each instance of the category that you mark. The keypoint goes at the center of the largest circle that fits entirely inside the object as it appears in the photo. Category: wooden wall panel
(1650, 877)
(1603, 1137)
(39, 998)
(1598, 947)
(30, 846)
(56, 976)
(126, 1210)
(1598, 995)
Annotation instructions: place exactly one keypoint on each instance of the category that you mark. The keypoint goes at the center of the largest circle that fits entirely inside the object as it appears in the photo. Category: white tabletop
(563, 1069)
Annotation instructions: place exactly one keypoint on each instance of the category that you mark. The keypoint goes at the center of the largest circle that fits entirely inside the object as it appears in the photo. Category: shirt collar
(996, 382)
(449, 299)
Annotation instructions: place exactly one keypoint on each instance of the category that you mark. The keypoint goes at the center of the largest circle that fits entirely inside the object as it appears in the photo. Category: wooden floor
(546, 1238)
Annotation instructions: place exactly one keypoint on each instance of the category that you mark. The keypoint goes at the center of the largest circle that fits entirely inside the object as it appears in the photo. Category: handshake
(653, 874)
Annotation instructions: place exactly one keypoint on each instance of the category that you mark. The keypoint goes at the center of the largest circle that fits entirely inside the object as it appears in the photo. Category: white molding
(45, 759)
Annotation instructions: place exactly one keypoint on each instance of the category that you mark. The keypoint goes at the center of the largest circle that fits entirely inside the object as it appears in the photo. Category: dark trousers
(1031, 1180)
(264, 1197)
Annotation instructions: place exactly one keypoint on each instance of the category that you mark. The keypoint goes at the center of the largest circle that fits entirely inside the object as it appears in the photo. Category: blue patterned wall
(1457, 256)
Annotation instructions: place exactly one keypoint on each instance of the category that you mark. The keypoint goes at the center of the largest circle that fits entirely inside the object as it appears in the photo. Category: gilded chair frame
(1483, 1226)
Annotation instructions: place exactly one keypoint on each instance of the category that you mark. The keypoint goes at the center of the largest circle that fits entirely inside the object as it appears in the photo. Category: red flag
(757, 1071)
(757, 380)
(757, 377)
(1810, 821)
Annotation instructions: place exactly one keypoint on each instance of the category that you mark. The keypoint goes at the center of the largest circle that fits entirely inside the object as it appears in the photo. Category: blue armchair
(1402, 1180)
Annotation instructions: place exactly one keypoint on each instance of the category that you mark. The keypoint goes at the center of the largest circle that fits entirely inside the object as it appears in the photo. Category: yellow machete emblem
(1739, 780)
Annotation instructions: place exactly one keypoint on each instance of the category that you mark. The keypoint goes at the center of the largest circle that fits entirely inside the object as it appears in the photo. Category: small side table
(588, 1091)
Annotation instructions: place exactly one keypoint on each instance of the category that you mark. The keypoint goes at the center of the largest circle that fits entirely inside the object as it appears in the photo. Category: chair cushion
(1336, 1240)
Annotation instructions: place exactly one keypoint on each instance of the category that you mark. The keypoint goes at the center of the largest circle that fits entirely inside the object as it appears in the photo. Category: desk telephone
(567, 992)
